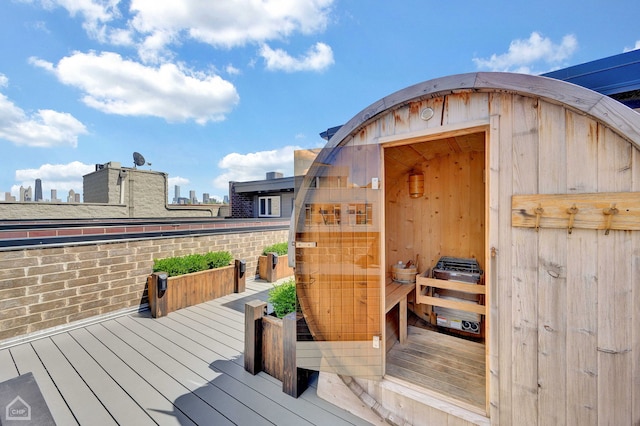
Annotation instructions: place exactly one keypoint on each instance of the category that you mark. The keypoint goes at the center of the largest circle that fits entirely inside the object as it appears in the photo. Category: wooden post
(295, 380)
(240, 276)
(157, 300)
(272, 270)
(253, 313)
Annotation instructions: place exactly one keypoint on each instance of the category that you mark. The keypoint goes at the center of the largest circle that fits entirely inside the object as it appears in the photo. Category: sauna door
(338, 265)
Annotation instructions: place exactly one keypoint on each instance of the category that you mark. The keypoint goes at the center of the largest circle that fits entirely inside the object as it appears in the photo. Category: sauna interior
(435, 207)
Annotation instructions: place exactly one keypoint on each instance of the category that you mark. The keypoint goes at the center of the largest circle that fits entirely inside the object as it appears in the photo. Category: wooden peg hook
(609, 213)
(573, 210)
(538, 211)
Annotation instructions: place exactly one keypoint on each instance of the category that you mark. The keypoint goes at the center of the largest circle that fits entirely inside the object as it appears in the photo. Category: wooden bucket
(404, 275)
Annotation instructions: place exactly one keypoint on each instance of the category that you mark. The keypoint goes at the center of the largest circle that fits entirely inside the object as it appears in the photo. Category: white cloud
(155, 26)
(96, 14)
(115, 85)
(226, 23)
(254, 165)
(43, 128)
(61, 177)
(636, 47)
(178, 180)
(525, 54)
(231, 70)
(318, 58)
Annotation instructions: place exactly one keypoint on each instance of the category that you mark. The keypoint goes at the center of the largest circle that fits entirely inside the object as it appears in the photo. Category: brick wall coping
(26, 234)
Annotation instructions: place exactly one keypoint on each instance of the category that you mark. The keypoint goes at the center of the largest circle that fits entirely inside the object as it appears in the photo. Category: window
(269, 206)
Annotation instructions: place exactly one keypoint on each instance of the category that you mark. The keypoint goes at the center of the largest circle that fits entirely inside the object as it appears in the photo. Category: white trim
(275, 207)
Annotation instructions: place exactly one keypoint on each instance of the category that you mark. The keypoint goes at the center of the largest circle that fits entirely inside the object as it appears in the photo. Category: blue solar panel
(609, 76)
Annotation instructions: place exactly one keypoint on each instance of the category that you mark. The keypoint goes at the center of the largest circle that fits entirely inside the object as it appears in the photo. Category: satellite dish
(138, 159)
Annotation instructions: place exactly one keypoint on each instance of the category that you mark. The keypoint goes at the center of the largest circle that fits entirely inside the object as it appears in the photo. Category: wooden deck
(450, 366)
(182, 369)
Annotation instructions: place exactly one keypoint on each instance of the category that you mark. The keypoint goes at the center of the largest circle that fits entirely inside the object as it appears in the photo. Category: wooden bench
(396, 294)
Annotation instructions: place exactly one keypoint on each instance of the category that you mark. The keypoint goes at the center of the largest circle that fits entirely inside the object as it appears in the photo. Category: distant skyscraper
(192, 197)
(71, 198)
(205, 198)
(54, 196)
(176, 194)
(38, 196)
(25, 194)
(9, 197)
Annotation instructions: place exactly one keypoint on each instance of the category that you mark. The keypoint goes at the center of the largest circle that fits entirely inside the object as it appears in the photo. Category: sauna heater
(461, 270)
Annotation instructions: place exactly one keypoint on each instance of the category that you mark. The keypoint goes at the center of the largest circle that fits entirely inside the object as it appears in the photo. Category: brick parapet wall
(53, 287)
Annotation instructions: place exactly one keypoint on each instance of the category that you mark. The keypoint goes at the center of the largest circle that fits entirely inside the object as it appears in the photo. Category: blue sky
(219, 90)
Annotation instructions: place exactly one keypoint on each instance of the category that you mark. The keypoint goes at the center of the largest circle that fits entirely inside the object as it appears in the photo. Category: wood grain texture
(551, 272)
(582, 278)
(524, 258)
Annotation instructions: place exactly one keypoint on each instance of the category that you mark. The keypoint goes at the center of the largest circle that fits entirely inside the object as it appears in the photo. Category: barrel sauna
(535, 180)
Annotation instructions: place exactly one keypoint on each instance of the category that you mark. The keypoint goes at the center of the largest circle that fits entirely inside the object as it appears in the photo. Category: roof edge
(618, 117)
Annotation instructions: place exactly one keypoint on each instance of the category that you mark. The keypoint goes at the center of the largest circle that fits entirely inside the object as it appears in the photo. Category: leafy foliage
(181, 265)
(279, 248)
(283, 298)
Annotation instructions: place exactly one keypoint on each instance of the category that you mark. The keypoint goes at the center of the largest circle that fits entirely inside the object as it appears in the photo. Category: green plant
(181, 265)
(279, 248)
(283, 297)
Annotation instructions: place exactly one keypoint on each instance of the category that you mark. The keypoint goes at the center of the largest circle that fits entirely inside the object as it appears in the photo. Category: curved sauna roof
(612, 113)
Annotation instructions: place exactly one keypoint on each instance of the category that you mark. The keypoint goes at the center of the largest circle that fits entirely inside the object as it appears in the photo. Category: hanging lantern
(416, 185)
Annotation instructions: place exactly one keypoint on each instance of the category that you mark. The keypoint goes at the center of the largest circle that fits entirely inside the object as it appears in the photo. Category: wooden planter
(270, 346)
(270, 272)
(190, 289)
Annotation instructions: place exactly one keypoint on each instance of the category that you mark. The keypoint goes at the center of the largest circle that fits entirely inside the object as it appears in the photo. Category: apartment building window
(269, 206)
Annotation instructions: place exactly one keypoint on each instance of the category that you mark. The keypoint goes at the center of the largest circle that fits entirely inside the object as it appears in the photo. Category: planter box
(191, 289)
(270, 346)
(272, 273)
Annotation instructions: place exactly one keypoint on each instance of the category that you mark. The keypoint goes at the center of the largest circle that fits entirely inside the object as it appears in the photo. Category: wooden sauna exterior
(536, 179)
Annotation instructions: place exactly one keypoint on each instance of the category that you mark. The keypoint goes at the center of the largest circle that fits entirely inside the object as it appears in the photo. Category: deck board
(185, 368)
(27, 361)
(201, 380)
(86, 408)
(206, 364)
(145, 395)
(7, 366)
(445, 364)
(193, 408)
(109, 393)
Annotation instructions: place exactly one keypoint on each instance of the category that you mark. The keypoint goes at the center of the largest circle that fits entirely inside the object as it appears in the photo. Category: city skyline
(24, 195)
(228, 92)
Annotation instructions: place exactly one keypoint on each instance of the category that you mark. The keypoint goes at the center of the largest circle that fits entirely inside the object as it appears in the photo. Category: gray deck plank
(27, 361)
(314, 409)
(119, 404)
(208, 329)
(182, 365)
(7, 366)
(216, 320)
(174, 390)
(177, 384)
(210, 321)
(309, 405)
(204, 362)
(182, 369)
(215, 313)
(153, 402)
(173, 324)
(85, 406)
